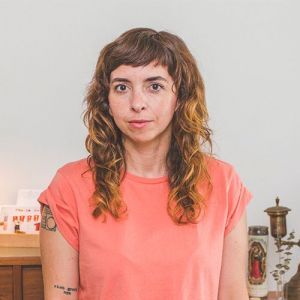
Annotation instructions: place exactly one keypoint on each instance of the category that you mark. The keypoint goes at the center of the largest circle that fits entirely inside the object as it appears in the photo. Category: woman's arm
(233, 279)
(59, 261)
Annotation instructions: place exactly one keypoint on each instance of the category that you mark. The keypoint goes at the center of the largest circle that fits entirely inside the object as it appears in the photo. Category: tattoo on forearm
(66, 291)
(48, 222)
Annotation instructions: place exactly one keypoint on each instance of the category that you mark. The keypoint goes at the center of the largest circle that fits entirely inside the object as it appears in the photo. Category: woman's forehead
(140, 72)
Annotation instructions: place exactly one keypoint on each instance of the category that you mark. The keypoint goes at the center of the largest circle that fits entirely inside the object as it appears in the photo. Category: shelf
(20, 256)
(19, 240)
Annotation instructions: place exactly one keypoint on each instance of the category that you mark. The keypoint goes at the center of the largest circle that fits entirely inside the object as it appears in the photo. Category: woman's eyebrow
(153, 78)
(120, 79)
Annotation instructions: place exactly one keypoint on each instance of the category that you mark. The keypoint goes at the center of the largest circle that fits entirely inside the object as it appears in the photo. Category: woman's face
(142, 102)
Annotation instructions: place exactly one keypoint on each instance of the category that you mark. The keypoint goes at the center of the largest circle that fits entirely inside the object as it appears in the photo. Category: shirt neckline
(141, 179)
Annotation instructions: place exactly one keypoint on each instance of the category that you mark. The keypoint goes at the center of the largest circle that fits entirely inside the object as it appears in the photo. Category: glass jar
(258, 238)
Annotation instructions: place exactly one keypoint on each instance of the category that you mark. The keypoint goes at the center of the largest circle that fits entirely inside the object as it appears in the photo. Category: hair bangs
(141, 51)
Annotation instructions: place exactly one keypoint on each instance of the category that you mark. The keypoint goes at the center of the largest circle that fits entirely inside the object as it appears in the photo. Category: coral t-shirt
(146, 256)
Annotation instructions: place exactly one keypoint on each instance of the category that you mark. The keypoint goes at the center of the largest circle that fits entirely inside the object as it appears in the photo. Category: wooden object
(20, 268)
(19, 240)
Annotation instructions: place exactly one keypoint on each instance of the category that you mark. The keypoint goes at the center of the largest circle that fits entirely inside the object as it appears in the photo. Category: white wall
(248, 53)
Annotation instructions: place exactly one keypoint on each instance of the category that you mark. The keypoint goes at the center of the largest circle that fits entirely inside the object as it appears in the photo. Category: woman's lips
(139, 124)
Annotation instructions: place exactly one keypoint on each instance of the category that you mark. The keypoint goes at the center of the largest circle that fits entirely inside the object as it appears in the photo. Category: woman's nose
(138, 100)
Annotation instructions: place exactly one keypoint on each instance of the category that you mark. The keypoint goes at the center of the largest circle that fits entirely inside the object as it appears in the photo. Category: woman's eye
(156, 86)
(120, 87)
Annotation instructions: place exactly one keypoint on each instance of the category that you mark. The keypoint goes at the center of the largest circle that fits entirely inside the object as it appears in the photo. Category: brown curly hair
(186, 160)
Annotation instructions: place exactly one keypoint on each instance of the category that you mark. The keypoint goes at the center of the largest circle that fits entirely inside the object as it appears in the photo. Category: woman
(149, 214)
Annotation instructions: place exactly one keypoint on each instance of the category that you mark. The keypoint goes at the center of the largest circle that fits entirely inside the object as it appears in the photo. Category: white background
(247, 51)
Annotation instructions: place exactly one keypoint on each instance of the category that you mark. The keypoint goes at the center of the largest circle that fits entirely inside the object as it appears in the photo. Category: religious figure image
(257, 264)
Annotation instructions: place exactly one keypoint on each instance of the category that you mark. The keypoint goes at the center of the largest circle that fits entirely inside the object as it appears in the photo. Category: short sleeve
(61, 200)
(238, 196)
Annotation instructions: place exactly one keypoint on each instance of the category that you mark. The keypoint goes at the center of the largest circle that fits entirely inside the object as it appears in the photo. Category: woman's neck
(146, 160)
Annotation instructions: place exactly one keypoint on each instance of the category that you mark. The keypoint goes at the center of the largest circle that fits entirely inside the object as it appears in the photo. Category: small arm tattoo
(48, 222)
(66, 291)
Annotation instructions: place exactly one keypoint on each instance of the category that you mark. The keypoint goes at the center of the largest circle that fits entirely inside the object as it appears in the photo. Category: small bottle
(17, 226)
(258, 237)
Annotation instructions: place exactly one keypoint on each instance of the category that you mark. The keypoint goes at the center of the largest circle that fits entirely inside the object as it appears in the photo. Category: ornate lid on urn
(277, 210)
